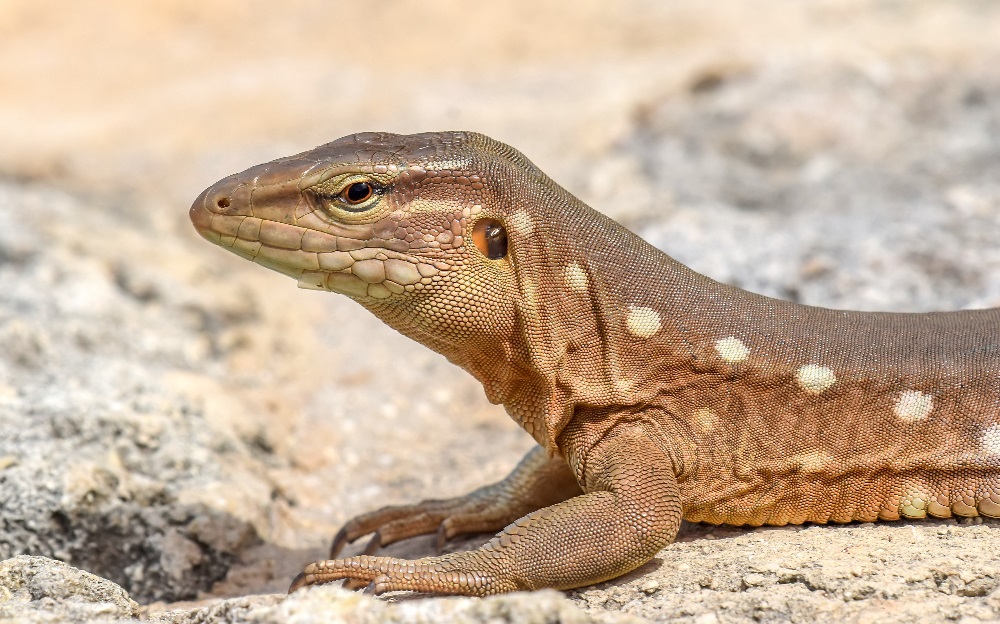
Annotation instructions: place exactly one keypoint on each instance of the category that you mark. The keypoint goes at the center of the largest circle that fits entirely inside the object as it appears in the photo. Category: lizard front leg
(631, 509)
(537, 481)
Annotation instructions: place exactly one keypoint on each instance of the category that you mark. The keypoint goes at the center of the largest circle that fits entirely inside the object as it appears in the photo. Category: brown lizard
(654, 393)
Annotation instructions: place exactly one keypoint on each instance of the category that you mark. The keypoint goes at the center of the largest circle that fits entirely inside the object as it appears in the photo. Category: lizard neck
(501, 361)
(571, 335)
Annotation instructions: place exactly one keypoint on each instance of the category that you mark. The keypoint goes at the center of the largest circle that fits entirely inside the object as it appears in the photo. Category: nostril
(223, 202)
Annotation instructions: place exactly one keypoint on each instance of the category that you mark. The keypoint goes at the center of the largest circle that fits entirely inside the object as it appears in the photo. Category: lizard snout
(229, 197)
(217, 199)
(273, 183)
(201, 216)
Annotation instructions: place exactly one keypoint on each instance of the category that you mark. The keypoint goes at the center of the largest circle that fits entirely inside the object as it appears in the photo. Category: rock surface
(36, 589)
(194, 428)
(40, 590)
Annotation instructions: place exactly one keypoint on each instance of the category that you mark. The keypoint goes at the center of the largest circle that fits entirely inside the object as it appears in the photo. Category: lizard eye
(490, 237)
(358, 192)
(351, 197)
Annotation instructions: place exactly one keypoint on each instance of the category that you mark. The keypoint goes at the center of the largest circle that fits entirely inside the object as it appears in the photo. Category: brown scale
(654, 393)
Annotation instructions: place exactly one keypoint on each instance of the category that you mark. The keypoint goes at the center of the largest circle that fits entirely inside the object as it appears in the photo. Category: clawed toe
(373, 544)
(298, 583)
(339, 541)
(441, 538)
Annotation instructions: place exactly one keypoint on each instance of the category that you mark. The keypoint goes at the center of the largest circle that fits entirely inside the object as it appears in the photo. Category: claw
(373, 544)
(370, 589)
(298, 583)
(441, 539)
(339, 541)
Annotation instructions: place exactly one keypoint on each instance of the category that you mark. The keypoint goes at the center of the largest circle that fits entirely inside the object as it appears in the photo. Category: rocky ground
(185, 429)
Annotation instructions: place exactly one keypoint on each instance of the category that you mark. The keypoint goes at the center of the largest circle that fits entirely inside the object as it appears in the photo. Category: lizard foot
(537, 482)
(448, 518)
(377, 575)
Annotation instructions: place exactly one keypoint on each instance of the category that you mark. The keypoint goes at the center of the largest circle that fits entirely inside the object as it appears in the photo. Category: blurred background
(215, 425)
(636, 106)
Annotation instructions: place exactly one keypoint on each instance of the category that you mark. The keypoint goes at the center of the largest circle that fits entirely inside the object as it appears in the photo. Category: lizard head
(417, 228)
(455, 240)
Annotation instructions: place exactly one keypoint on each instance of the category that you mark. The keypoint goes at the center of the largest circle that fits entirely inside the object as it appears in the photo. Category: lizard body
(653, 392)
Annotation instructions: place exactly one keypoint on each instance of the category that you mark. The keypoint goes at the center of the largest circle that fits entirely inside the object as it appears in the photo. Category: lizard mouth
(271, 223)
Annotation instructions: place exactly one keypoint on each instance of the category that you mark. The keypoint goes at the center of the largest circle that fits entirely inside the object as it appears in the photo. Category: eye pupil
(358, 192)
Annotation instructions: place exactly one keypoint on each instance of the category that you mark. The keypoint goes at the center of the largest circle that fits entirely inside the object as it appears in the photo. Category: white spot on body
(576, 278)
(705, 419)
(914, 405)
(990, 440)
(731, 349)
(530, 294)
(623, 385)
(642, 322)
(521, 223)
(814, 378)
(812, 461)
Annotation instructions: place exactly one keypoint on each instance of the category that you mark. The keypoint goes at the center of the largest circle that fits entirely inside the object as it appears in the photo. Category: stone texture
(36, 589)
(332, 604)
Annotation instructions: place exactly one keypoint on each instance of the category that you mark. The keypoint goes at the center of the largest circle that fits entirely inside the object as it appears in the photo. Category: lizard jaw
(336, 258)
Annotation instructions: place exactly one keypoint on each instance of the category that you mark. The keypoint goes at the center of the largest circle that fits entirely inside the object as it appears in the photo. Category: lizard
(654, 393)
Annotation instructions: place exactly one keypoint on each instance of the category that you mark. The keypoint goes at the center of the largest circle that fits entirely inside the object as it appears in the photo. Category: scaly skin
(653, 392)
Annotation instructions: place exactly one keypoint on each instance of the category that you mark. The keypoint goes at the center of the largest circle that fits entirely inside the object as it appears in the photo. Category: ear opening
(490, 237)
